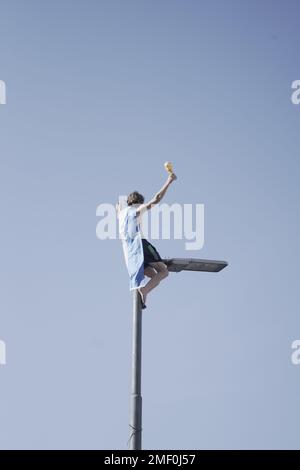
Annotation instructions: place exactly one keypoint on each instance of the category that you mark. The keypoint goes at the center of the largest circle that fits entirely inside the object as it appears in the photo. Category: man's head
(135, 198)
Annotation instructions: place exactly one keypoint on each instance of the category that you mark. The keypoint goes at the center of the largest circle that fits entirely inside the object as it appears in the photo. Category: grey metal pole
(135, 424)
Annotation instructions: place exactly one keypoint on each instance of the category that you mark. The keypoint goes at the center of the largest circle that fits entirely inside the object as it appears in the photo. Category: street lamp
(174, 265)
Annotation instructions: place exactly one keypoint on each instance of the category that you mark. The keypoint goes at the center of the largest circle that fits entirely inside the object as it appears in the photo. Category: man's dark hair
(135, 198)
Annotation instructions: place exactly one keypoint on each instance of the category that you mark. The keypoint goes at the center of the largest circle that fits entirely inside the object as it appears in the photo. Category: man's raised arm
(158, 196)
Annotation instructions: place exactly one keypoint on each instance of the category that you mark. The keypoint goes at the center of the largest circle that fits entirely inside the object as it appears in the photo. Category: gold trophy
(169, 167)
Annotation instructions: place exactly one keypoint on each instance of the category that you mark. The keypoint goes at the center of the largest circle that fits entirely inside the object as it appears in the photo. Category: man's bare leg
(161, 272)
(149, 272)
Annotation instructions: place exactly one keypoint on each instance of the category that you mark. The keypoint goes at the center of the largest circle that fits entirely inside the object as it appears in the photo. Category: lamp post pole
(174, 265)
(135, 424)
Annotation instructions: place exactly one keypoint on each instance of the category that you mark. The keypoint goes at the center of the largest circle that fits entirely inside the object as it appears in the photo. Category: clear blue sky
(99, 95)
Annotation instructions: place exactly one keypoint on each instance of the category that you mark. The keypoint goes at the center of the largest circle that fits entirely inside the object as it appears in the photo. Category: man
(142, 258)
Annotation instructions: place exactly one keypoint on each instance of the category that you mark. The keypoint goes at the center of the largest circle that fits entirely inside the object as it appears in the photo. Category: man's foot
(143, 298)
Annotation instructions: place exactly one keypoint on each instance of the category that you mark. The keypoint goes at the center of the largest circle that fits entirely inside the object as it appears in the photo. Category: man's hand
(172, 177)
